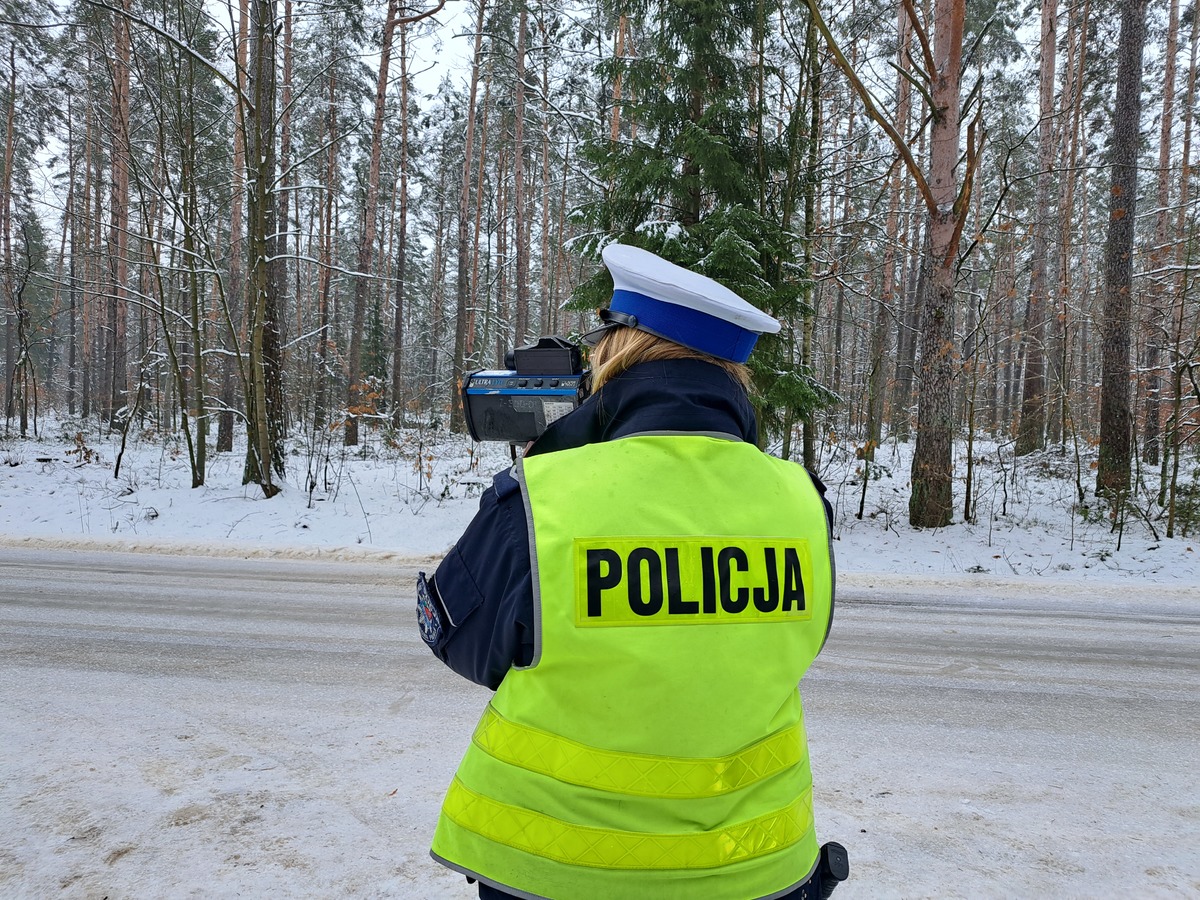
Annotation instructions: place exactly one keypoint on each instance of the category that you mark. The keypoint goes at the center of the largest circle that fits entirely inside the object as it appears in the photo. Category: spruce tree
(695, 177)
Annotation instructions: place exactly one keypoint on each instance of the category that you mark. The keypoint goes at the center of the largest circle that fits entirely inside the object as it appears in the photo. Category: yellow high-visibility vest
(655, 746)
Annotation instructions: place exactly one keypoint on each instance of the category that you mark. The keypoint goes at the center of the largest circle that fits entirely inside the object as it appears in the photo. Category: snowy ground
(414, 498)
(181, 726)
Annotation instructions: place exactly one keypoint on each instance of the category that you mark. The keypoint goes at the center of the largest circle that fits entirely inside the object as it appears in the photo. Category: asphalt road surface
(176, 726)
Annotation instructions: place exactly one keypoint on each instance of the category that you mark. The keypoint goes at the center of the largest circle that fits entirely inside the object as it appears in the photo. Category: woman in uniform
(643, 590)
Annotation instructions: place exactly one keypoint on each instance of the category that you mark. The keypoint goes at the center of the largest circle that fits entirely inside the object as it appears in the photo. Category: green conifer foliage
(375, 344)
(698, 177)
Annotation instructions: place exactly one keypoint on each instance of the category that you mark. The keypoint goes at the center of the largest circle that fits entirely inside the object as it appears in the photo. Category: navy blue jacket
(483, 589)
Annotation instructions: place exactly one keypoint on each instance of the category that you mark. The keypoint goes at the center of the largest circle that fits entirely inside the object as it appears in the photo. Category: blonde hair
(624, 347)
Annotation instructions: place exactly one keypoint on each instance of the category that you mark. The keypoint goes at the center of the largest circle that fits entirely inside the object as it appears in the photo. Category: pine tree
(27, 101)
(1113, 473)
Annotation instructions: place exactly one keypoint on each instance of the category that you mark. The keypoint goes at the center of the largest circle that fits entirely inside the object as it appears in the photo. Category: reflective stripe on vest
(635, 773)
(581, 845)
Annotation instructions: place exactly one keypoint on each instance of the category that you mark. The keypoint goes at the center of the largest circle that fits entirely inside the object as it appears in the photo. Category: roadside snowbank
(409, 499)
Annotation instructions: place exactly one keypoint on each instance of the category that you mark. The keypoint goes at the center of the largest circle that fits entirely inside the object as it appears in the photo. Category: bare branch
(180, 44)
(872, 111)
(908, 76)
(417, 17)
(922, 37)
(975, 138)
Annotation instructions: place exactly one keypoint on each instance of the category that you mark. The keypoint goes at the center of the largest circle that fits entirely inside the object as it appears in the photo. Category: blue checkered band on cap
(659, 297)
(687, 326)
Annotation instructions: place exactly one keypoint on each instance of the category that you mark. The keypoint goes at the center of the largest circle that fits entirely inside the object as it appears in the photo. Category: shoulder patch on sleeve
(429, 616)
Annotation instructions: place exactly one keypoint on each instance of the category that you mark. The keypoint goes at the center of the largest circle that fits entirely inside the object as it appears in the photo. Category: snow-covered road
(184, 726)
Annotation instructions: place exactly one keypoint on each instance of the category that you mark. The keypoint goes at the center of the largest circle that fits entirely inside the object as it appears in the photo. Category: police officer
(643, 591)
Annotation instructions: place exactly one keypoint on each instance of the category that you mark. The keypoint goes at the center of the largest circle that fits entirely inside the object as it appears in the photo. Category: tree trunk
(1182, 249)
(549, 310)
(1156, 329)
(502, 201)
(1113, 474)
(194, 288)
(1068, 306)
(366, 244)
(325, 340)
(811, 181)
(71, 224)
(437, 299)
(932, 502)
(618, 53)
(520, 213)
(118, 241)
(886, 311)
(401, 243)
(8, 263)
(264, 416)
(1031, 435)
(237, 277)
(457, 422)
(90, 245)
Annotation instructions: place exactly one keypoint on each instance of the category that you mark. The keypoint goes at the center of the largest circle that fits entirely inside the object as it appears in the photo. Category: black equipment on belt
(834, 866)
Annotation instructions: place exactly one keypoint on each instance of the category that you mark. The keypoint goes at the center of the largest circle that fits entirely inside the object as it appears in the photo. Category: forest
(252, 223)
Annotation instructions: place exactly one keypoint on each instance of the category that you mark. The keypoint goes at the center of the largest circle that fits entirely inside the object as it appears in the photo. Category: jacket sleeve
(820, 486)
(482, 592)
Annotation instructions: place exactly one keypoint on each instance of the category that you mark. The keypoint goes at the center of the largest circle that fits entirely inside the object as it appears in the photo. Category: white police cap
(683, 306)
